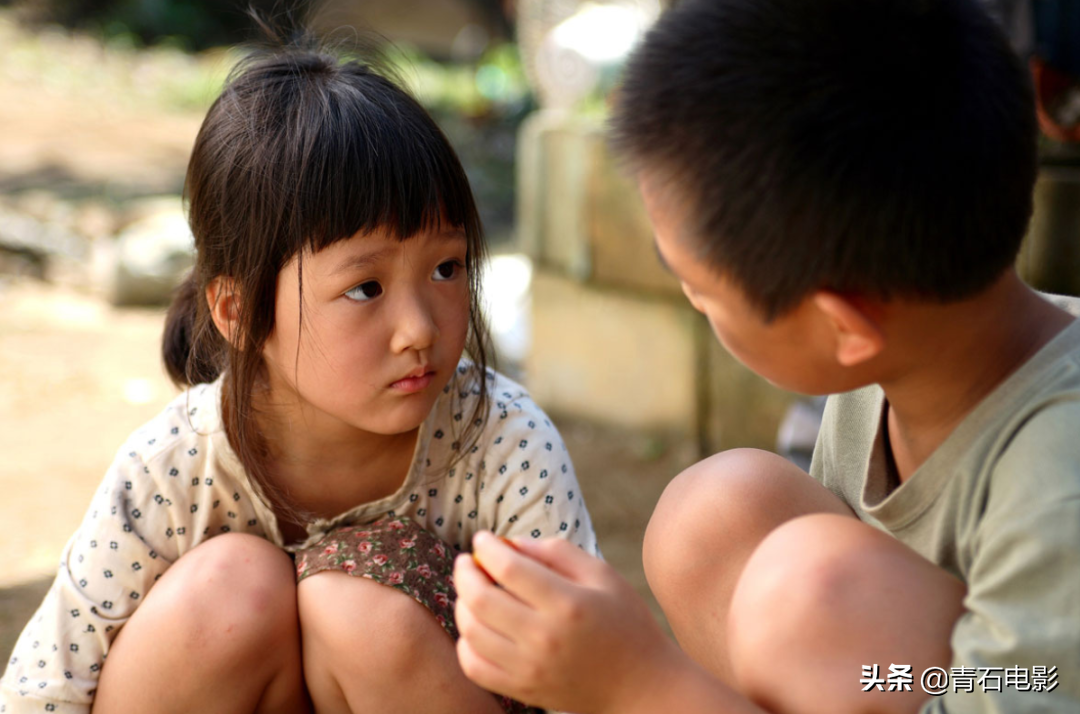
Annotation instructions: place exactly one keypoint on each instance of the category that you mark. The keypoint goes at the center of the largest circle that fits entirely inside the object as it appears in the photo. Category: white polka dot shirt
(177, 482)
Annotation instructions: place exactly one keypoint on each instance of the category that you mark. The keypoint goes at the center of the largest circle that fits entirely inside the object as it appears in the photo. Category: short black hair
(881, 147)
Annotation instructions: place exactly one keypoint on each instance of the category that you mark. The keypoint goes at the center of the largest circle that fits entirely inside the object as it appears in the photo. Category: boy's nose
(415, 327)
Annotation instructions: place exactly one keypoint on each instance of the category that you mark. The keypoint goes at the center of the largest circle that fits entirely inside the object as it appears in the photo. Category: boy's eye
(447, 270)
(365, 291)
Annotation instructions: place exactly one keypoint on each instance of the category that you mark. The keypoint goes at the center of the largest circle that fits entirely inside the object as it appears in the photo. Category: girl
(280, 538)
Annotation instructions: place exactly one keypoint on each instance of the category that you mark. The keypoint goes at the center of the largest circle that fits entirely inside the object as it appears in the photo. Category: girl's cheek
(463, 321)
(457, 311)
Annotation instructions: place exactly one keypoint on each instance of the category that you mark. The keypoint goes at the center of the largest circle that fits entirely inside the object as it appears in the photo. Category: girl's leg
(217, 633)
(369, 647)
(822, 597)
(707, 524)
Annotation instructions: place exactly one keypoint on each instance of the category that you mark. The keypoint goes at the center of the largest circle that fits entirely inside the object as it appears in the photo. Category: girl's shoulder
(514, 475)
(176, 481)
(473, 419)
(189, 422)
(480, 393)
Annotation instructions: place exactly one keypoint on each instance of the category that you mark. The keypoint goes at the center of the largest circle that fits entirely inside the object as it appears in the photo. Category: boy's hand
(563, 632)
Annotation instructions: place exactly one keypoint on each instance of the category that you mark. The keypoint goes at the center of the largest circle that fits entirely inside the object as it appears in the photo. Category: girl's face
(383, 326)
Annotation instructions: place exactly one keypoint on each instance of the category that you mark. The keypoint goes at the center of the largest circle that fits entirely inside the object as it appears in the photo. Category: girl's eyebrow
(360, 261)
(453, 234)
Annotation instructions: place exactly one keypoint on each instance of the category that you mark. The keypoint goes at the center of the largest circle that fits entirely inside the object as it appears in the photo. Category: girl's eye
(447, 270)
(365, 291)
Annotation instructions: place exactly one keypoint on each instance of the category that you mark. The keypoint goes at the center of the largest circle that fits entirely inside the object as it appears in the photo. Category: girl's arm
(529, 489)
(565, 632)
(106, 569)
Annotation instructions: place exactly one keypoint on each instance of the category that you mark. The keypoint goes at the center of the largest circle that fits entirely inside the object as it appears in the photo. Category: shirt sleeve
(1017, 646)
(529, 488)
(106, 570)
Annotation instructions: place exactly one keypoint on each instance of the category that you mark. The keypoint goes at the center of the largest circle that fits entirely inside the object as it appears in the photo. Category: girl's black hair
(306, 147)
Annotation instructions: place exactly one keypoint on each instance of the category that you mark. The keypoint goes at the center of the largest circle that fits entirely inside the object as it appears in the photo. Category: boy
(842, 187)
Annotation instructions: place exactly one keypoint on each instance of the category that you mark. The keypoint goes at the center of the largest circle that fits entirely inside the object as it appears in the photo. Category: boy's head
(872, 148)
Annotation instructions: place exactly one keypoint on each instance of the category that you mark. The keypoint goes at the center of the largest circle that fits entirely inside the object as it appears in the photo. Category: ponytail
(191, 352)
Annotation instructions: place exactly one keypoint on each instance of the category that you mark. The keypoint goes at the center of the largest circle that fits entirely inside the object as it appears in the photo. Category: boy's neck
(960, 353)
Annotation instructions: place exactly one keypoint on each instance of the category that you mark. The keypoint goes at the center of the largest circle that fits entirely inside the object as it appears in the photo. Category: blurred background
(100, 101)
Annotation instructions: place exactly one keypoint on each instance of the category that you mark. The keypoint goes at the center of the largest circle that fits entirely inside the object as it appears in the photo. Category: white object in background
(582, 54)
(506, 283)
(139, 391)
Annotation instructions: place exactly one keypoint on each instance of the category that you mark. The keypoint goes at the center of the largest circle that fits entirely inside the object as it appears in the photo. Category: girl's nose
(415, 327)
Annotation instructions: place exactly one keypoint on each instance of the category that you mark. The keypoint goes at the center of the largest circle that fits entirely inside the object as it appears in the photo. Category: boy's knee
(718, 505)
(338, 611)
(236, 590)
(824, 593)
(809, 585)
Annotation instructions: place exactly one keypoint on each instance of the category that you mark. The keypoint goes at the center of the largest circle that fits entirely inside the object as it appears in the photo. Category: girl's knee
(368, 646)
(234, 584)
(337, 611)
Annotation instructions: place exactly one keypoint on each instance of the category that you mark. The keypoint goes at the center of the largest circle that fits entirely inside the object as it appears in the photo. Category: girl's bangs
(375, 165)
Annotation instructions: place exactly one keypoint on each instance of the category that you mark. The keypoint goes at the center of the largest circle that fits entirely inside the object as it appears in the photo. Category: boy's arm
(566, 632)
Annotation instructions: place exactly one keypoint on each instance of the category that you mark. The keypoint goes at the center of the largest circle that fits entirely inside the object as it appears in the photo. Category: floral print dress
(396, 552)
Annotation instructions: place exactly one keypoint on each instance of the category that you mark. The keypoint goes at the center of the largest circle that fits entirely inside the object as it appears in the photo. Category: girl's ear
(223, 299)
(856, 332)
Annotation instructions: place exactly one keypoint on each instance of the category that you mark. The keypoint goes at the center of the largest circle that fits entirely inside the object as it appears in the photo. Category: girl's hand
(563, 632)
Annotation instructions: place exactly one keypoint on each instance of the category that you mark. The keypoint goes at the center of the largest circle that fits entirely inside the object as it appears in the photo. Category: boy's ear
(223, 299)
(858, 335)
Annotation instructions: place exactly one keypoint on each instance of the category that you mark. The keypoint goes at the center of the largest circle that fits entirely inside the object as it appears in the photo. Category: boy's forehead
(665, 202)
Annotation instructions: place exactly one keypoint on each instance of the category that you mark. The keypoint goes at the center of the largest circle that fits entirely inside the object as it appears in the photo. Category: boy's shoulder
(1027, 424)
(863, 405)
(1068, 303)
(1043, 391)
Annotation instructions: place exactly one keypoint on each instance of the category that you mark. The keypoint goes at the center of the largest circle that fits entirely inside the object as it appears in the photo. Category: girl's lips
(411, 385)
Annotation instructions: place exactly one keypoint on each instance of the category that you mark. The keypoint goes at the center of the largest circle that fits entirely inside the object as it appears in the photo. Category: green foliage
(480, 108)
(494, 85)
(186, 24)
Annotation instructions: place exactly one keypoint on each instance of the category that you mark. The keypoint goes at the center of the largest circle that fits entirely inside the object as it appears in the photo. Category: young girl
(281, 537)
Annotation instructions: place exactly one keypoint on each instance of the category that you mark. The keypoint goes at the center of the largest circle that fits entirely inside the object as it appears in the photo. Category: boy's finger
(486, 642)
(491, 605)
(480, 670)
(564, 558)
(531, 581)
